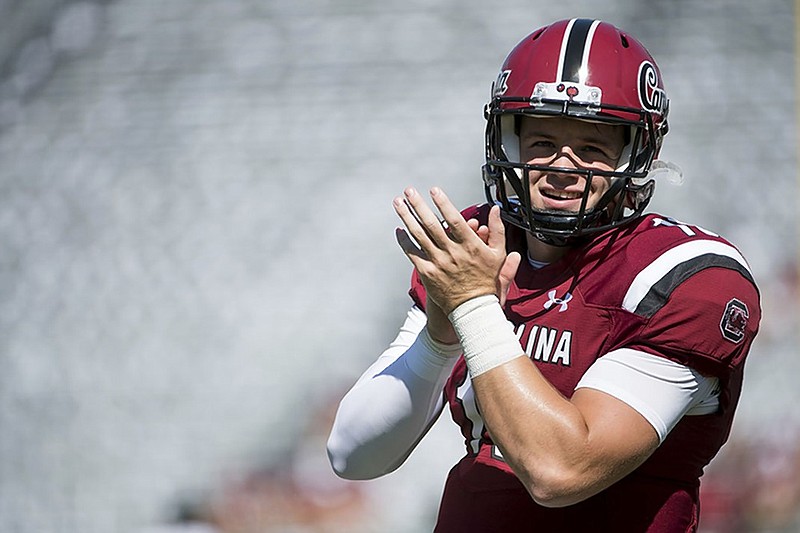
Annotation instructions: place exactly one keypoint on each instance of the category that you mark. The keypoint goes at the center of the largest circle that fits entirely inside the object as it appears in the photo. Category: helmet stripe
(575, 49)
(586, 49)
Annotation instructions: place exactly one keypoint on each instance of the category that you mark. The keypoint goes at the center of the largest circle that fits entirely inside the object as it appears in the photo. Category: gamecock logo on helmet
(651, 96)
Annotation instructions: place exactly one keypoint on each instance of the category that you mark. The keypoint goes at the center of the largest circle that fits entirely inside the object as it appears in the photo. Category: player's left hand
(456, 259)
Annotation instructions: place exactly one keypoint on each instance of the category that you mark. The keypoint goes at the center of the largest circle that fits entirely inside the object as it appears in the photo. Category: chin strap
(558, 241)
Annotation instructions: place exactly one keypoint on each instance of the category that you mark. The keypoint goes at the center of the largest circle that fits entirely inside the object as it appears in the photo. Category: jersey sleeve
(417, 290)
(705, 319)
(660, 390)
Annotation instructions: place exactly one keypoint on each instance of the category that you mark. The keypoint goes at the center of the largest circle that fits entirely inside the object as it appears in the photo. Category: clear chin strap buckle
(666, 171)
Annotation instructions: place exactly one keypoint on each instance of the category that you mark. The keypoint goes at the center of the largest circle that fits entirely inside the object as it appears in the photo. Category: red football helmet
(589, 70)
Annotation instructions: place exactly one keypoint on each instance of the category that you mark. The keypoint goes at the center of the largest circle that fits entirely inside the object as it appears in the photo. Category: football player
(592, 354)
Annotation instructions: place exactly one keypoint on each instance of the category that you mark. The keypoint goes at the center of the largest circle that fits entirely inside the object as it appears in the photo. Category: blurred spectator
(299, 494)
(754, 486)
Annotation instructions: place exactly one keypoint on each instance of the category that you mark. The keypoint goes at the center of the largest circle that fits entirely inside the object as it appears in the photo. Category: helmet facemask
(507, 177)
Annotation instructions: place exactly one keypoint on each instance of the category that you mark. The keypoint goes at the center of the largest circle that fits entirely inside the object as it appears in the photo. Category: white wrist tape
(487, 337)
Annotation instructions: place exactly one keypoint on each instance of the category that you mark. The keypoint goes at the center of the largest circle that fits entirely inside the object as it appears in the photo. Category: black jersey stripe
(573, 55)
(660, 292)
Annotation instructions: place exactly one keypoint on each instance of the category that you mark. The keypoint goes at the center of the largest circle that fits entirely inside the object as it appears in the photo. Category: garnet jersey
(654, 285)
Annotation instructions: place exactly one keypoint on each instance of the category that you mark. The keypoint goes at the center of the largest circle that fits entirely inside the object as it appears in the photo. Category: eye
(592, 148)
(599, 151)
(540, 144)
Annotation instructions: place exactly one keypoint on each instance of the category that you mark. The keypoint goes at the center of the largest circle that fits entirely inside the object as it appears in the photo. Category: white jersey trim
(662, 391)
(656, 270)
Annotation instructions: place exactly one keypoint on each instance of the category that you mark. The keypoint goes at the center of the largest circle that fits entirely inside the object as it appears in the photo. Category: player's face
(571, 144)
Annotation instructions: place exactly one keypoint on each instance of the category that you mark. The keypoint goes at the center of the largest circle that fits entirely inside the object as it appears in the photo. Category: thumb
(507, 273)
(497, 231)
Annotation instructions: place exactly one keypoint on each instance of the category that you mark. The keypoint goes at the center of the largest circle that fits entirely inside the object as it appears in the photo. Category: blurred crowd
(752, 486)
(295, 493)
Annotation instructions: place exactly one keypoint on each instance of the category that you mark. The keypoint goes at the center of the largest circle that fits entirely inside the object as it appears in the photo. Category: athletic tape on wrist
(487, 337)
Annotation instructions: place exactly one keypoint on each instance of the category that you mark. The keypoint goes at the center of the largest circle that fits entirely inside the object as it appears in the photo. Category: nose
(565, 157)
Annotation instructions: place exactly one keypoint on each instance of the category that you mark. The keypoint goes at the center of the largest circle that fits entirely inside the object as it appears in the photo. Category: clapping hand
(456, 259)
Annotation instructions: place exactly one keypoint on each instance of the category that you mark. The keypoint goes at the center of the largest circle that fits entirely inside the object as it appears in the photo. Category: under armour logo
(563, 302)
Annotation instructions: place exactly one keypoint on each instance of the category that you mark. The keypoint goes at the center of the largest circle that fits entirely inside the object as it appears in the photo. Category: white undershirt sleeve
(662, 391)
(393, 404)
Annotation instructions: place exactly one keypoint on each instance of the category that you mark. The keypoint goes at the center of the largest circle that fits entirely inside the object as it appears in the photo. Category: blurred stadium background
(197, 253)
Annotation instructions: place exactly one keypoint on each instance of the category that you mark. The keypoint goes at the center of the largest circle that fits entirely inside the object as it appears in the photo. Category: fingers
(460, 260)
(480, 230)
(509, 268)
(420, 221)
(426, 236)
(507, 273)
(459, 229)
(483, 233)
(410, 248)
(497, 230)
